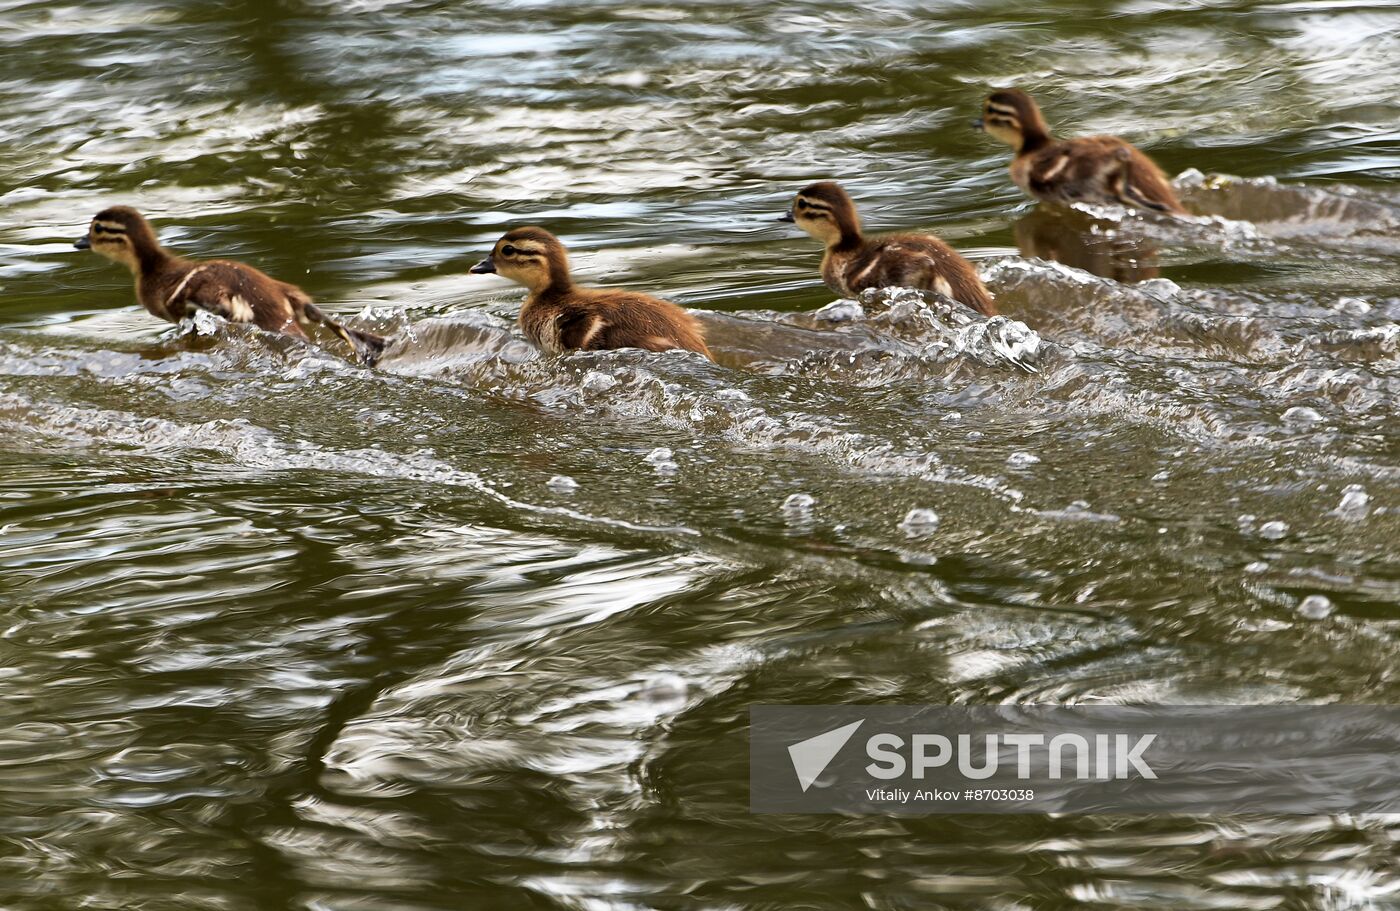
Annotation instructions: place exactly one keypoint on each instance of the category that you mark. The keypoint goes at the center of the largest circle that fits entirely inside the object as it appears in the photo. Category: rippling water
(280, 632)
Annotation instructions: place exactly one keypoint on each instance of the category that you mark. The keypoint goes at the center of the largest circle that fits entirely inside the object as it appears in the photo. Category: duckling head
(1013, 117)
(824, 211)
(122, 235)
(528, 256)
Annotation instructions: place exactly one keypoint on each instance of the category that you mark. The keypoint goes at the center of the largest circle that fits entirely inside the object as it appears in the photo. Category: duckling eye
(802, 204)
(507, 250)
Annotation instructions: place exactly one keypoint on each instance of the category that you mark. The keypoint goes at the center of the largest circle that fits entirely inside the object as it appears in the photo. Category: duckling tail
(367, 346)
(1125, 187)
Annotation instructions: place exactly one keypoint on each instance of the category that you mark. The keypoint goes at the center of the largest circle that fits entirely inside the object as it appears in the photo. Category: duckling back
(602, 320)
(907, 261)
(1095, 169)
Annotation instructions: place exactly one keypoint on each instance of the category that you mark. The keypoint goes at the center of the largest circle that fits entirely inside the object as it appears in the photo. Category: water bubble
(1257, 567)
(1315, 607)
(997, 340)
(842, 311)
(562, 483)
(919, 523)
(1079, 511)
(952, 416)
(1022, 460)
(1352, 305)
(1354, 506)
(202, 322)
(662, 459)
(1273, 531)
(799, 502)
(597, 382)
(1301, 417)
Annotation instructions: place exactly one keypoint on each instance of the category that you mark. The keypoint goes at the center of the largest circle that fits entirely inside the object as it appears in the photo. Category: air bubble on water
(799, 503)
(919, 523)
(597, 382)
(202, 322)
(562, 483)
(732, 395)
(1162, 475)
(952, 416)
(998, 340)
(1257, 567)
(841, 311)
(1315, 607)
(1301, 417)
(1022, 460)
(975, 435)
(1352, 305)
(1354, 506)
(1163, 287)
(1273, 531)
(1080, 511)
(662, 459)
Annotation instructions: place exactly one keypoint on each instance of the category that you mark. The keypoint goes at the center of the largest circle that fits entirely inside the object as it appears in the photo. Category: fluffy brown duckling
(1092, 169)
(854, 262)
(559, 316)
(171, 287)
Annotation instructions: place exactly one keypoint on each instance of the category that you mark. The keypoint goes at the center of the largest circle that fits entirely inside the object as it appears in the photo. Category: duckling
(558, 315)
(1093, 169)
(171, 287)
(854, 262)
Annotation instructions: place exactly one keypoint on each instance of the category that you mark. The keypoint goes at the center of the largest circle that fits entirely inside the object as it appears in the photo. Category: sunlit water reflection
(480, 628)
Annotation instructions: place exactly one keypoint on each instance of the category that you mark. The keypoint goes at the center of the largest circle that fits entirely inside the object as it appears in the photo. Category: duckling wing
(1052, 174)
(629, 320)
(238, 293)
(919, 261)
(1107, 169)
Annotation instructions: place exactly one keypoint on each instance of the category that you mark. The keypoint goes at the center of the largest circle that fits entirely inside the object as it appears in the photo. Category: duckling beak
(486, 267)
(787, 217)
(979, 124)
(83, 243)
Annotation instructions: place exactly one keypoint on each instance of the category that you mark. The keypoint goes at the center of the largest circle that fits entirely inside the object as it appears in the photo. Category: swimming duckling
(854, 262)
(1093, 169)
(558, 315)
(172, 287)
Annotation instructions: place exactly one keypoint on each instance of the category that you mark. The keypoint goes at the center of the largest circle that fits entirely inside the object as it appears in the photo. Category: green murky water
(279, 632)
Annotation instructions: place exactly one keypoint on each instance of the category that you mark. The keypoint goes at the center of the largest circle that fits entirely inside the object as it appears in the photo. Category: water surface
(281, 632)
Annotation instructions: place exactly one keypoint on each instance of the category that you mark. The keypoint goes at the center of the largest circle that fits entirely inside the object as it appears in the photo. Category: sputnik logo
(810, 757)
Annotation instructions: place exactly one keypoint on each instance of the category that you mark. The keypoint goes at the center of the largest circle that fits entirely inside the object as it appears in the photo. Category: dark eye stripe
(104, 229)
